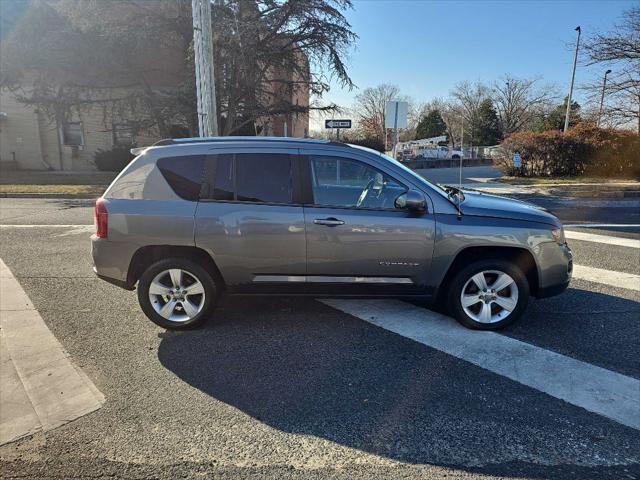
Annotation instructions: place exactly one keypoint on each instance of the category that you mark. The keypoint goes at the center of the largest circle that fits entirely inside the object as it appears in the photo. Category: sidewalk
(573, 190)
(41, 388)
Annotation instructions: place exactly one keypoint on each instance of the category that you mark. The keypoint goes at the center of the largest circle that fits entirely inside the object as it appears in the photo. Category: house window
(72, 134)
(122, 134)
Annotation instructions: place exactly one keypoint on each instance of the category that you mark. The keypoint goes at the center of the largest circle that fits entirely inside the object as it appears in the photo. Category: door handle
(329, 222)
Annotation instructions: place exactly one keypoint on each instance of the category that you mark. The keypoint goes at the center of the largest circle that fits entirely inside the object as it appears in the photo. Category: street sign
(395, 115)
(517, 160)
(337, 124)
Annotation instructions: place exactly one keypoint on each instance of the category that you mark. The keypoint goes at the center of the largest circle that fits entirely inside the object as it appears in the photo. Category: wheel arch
(522, 257)
(149, 254)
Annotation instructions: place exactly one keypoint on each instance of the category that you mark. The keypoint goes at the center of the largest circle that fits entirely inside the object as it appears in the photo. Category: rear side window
(253, 177)
(183, 174)
(223, 186)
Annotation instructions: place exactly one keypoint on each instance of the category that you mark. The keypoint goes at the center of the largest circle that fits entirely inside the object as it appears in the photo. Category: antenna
(461, 153)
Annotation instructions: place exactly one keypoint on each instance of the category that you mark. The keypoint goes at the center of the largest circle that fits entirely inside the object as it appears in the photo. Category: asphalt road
(292, 388)
(451, 176)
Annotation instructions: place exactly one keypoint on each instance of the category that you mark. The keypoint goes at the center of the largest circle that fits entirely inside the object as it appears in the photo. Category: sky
(427, 47)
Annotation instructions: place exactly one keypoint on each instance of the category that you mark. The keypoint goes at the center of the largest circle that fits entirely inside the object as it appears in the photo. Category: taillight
(101, 218)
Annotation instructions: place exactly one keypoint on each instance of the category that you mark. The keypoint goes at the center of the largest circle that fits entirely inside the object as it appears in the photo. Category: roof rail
(179, 141)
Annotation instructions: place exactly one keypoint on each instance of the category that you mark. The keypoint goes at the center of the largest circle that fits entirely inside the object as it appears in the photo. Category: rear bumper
(111, 260)
(114, 281)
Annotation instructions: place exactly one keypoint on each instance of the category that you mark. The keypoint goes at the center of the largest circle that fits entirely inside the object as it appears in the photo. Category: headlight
(558, 235)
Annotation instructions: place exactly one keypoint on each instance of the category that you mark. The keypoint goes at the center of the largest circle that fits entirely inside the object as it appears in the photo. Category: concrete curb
(41, 388)
(592, 190)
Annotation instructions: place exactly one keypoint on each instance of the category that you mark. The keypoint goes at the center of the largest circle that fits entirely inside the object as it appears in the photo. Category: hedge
(113, 160)
(583, 150)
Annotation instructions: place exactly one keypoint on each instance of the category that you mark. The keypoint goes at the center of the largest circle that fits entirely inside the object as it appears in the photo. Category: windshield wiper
(456, 195)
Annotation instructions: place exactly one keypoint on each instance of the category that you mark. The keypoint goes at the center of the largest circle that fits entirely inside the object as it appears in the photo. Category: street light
(604, 85)
(573, 77)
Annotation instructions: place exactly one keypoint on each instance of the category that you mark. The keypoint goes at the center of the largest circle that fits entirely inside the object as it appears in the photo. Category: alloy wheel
(177, 295)
(489, 296)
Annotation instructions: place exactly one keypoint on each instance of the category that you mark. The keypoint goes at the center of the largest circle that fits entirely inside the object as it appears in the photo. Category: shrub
(582, 150)
(113, 160)
(372, 143)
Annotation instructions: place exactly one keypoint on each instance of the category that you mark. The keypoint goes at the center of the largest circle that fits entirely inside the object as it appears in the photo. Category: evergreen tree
(555, 119)
(488, 126)
(431, 125)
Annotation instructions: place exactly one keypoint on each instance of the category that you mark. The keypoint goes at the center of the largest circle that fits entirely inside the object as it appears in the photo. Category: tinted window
(253, 177)
(183, 174)
(263, 178)
(348, 183)
(223, 180)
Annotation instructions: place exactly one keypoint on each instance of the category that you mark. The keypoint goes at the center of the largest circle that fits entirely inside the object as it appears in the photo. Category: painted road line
(83, 225)
(56, 389)
(629, 281)
(602, 225)
(593, 388)
(592, 237)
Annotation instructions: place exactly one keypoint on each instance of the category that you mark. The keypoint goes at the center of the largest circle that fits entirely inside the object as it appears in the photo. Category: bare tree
(136, 55)
(519, 101)
(369, 109)
(619, 50)
(452, 115)
(469, 97)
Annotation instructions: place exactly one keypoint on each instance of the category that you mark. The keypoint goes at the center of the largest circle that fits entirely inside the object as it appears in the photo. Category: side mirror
(413, 201)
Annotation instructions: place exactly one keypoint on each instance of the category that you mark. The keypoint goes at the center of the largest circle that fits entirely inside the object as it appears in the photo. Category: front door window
(346, 183)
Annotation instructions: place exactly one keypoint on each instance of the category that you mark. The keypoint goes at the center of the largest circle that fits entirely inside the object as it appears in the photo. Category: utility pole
(573, 77)
(604, 86)
(205, 79)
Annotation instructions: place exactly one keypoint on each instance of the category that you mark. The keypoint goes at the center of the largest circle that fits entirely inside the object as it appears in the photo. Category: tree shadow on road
(302, 367)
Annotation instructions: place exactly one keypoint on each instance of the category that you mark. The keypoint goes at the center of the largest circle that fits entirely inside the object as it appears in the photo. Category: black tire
(191, 268)
(460, 279)
(455, 157)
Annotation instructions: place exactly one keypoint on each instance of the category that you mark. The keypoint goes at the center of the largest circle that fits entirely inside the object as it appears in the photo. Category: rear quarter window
(183, 174)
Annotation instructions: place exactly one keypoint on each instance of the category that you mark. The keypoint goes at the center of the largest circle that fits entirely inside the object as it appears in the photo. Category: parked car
(189, 219)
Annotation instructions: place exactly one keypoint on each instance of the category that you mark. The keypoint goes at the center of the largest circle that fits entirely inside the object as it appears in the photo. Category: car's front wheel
(488, 294)
(176, 293)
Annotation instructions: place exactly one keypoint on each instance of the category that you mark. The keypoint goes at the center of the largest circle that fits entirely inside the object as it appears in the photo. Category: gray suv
(191, 218)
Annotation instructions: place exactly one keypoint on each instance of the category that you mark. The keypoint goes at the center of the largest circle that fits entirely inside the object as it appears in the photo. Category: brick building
(31, 140)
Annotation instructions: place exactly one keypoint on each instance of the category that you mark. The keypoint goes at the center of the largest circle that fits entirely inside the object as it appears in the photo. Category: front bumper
(553, 290)
(557, 271)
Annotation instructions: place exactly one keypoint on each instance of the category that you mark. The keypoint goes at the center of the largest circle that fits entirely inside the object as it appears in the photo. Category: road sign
(337, 124)
(396, 114)
(517, 160)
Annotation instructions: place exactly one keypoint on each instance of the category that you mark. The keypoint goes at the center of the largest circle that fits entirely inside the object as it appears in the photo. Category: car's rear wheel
(488, 294)
(176, 293)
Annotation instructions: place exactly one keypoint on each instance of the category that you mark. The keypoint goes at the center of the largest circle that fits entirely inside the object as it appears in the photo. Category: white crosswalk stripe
(607, 277)
(606, 239)
(601, 225)
(593, 388)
